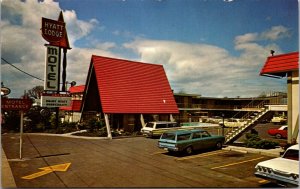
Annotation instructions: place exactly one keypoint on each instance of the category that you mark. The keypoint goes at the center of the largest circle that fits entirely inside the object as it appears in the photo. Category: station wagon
(189, 140)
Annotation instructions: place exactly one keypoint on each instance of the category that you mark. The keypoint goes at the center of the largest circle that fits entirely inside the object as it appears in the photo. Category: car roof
(161, 122)
(282, 127)
(184, 131)
(294, 147)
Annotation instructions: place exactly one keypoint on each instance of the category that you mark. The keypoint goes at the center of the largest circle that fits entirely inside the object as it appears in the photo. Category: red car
(280, 132)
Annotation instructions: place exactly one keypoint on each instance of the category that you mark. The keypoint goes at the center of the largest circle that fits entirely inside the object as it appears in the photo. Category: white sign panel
(52, 68)
(55, 100)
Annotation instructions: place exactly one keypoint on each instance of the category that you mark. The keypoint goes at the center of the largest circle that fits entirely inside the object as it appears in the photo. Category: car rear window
(161, 125)
(168, 136)
(291, 154)
(150, 125)
(183, 136)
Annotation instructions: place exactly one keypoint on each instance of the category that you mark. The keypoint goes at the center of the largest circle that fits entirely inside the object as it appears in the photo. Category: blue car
(189, 141)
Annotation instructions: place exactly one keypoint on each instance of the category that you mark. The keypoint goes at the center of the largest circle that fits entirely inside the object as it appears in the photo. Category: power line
(21, 70)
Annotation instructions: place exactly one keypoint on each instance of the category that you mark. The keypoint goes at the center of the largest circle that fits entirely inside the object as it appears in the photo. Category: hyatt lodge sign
(52, 30)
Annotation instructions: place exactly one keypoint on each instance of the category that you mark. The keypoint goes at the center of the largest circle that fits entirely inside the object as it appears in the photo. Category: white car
(156, 128)
(234, 122)
(282, 170)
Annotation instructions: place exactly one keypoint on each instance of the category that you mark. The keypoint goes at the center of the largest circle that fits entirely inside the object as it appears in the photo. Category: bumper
(276, 179)
(168, 148)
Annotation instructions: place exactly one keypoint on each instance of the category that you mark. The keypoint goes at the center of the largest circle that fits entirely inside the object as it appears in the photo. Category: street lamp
(73, 83)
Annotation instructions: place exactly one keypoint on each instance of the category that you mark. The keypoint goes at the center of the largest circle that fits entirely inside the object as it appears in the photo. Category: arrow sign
(60, 167)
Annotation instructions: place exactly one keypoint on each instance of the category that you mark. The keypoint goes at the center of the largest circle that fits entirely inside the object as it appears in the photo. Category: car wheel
(189, 150)
(219, 145)
(278, 136)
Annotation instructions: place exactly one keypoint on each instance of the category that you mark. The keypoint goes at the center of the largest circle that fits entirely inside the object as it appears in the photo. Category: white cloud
(194, 68)
(23, 45)
(275, 33)
(210, 70)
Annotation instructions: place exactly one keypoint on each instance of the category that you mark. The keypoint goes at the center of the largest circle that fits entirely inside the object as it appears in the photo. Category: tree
(35, 92)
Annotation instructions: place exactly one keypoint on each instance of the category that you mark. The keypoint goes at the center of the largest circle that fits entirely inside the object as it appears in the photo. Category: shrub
(254, 141)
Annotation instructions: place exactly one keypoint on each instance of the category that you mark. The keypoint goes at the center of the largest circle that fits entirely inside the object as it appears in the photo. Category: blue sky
(192, 21)
(209, 47)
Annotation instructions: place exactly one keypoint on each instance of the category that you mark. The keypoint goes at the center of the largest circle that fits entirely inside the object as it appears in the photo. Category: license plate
(166, 149)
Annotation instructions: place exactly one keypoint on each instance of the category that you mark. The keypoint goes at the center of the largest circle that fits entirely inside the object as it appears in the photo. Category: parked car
(233, 123)
(189, 140)
(156, 128)
(282, 170)
(280, 132)
(279, 120)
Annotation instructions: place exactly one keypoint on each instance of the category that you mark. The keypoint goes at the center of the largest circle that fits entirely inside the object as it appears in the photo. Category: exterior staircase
(252, 117)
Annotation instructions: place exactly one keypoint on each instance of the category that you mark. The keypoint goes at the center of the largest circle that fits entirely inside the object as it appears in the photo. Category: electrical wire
(21, 70)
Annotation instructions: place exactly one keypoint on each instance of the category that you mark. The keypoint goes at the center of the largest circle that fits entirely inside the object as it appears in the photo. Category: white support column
(171, 118)
(107, 126)
(142, 121)
(293, 106)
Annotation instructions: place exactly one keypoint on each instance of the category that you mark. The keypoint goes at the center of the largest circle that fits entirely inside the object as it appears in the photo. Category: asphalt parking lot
(125, 162)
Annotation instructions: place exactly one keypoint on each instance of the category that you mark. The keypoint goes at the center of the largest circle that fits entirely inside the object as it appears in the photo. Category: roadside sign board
(53, 30)
(15, 104)
(52, 68)
(55, 100)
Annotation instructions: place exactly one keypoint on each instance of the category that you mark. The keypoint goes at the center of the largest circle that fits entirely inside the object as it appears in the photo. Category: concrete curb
(270, 152)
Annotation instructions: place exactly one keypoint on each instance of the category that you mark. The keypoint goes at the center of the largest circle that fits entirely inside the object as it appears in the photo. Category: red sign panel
(15, 104)
(52, 30)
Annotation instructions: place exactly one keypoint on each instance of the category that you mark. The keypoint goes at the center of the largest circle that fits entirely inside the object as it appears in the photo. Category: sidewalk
(270, 152)
(7, 179)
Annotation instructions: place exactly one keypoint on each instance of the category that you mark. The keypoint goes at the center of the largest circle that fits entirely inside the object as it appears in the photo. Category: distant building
(196, 108)
(73, 112)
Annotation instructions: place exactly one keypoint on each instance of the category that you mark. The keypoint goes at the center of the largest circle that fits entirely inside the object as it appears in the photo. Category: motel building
(287, 65)
(72, 113)
(127, 94)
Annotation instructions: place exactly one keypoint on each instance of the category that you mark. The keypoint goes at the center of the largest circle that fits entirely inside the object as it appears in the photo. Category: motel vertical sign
(52, 68)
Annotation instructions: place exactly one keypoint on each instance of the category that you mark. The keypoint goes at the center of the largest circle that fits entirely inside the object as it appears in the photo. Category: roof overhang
(278, 66)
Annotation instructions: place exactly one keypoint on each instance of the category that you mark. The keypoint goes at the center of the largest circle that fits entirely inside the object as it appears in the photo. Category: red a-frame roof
(279, 65)
(131, 87)
(77, 89)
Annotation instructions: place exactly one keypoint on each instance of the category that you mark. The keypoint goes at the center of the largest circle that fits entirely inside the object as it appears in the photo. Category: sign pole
(21, 133)
(64, 70)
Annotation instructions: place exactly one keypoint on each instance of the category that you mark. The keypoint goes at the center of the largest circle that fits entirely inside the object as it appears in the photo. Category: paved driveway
(127, 162)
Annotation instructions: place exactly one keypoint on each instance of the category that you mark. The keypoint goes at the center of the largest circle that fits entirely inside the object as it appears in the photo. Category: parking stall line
(200, 155)
(237, 163)
(160, 152)
(263, 181)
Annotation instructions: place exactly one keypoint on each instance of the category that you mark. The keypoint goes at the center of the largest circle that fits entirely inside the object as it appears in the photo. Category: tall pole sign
(54, 31)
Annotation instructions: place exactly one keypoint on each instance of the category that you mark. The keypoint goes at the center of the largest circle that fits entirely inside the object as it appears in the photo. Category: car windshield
(168, 136)
(291, 154)
(150, 125)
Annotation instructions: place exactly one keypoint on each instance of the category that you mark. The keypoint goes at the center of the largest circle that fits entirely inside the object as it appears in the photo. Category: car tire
(219, 145)
(189, 150)
(278, 136)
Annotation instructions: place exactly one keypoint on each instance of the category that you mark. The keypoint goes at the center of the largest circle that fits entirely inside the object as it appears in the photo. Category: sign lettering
(52, 30)
(55, 100)
(52, 64)
(15, 104)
